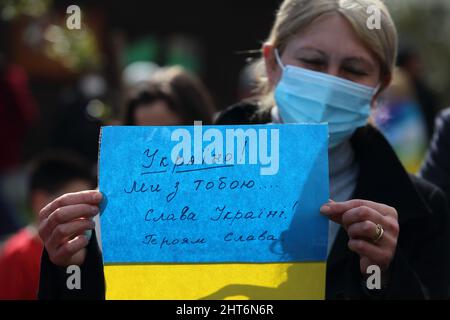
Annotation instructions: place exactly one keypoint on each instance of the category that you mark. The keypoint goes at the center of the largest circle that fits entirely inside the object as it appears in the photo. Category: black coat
(437, 165)
(419, 269)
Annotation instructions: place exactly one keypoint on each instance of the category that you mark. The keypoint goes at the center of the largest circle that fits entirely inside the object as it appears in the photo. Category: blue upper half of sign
(214, 194)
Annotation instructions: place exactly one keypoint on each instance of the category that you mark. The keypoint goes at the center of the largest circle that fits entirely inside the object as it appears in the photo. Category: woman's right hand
(63, 223)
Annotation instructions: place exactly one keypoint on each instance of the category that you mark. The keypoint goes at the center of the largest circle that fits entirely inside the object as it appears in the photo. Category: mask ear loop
(376, 91)
(377, 88)
(278, 58)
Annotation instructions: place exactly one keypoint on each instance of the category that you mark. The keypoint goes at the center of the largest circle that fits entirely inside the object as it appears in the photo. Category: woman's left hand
(360, 219)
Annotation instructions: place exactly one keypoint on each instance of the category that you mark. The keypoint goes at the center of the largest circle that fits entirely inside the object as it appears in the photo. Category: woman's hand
(360, 219)
(62, 224)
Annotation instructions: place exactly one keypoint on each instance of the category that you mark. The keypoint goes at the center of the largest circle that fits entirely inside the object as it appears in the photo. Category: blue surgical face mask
(305, 96)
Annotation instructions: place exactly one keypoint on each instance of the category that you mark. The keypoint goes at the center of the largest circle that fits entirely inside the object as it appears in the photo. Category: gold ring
(379, 233)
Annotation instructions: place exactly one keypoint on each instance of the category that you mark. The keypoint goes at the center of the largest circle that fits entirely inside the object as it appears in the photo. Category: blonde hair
(295, 15)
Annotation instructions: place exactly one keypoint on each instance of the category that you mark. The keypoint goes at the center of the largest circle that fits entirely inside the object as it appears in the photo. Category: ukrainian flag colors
(247, 226)
(286, 281)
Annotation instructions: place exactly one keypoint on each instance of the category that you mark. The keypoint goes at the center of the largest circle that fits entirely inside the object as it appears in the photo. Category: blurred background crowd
(167, 62)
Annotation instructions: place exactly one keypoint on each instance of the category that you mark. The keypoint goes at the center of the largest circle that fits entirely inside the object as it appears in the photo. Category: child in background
(51, 176)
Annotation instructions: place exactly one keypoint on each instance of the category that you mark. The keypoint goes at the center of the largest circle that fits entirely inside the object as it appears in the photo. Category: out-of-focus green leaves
(77, 50)
(34, 8)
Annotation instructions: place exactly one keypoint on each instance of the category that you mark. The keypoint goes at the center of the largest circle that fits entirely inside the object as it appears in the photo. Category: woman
(322, 64)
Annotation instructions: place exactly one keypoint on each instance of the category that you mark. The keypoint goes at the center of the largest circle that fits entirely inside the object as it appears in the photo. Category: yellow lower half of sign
(298, 281)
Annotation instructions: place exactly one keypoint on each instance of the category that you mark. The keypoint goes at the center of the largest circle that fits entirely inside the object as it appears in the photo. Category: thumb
(332, 214)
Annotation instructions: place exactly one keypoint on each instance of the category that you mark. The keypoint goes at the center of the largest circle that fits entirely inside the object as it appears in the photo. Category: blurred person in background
(51, 175)
(18, 113)
(437, 165)
(399, 117)
(170, 97)
(411, 63)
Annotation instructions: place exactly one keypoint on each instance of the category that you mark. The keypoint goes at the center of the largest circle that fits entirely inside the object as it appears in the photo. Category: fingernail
(97, 196)
(325, 209)
(94, 210)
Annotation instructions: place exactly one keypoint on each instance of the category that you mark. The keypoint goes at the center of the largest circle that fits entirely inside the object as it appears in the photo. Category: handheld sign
(214, 212)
